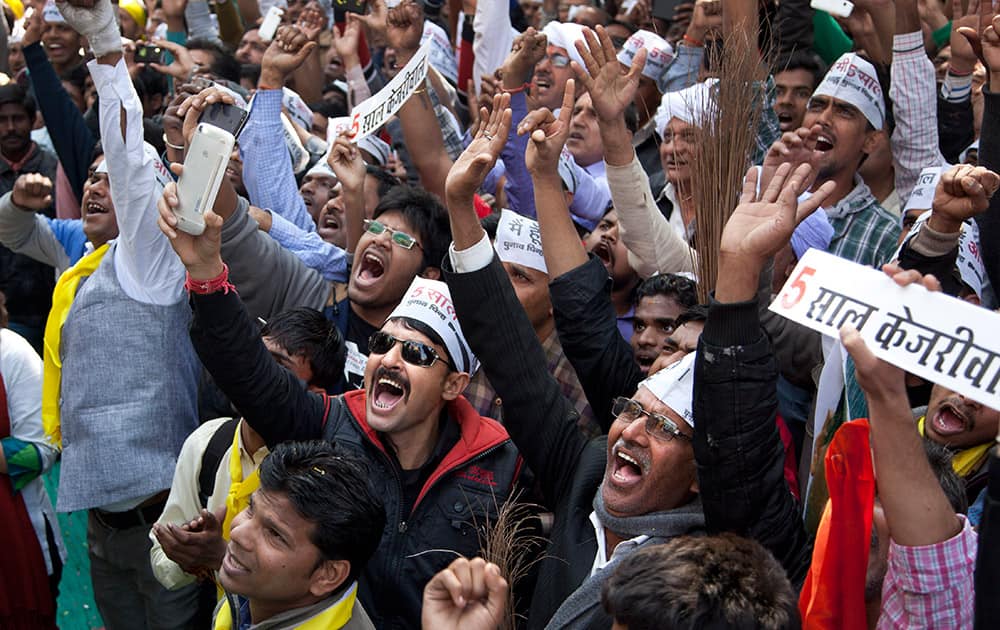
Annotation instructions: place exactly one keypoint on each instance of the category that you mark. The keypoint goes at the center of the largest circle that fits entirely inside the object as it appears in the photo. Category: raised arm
(581, 301)
(652, 243)
(915, 139)
(71, 137)
(421, 130)
(540, 420)
(736, 444)
(271, 399)
(267, 169)
(146, 268)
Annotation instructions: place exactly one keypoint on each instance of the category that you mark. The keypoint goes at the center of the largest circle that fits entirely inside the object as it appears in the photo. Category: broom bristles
(726, 138)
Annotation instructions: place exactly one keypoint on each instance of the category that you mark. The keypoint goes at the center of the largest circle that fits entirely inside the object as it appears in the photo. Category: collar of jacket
(478, 434)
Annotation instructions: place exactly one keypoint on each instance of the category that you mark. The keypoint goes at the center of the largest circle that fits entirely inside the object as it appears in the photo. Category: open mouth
(233, 566)
(389, 390)
(645, 361)
(949, 421)
(625, 469)
(542, 82)
(603, 251)
(824, 143)
(574, 135)
(371, 268)
(94, 207)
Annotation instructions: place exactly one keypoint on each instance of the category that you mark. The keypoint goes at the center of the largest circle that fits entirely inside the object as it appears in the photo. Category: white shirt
(147, 267)
(602, 560)
(21, 368)
(183, 503)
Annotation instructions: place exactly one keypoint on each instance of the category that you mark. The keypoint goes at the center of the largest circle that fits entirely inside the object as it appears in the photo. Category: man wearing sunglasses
(441, 469)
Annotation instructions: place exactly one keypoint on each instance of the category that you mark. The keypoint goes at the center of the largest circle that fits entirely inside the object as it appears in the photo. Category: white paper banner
(943, 339)
(297, 109)
(373, 112)
(334, 126)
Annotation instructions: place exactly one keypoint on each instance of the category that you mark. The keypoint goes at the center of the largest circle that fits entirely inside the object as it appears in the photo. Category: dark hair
(329, 487)
(939, 457)
(14, 93)
(97, 152)
(386, 180)
(225, 66)
(631, 114)
(328, 109)
(148, 82)
(490, 224)
(692, 582)
(680, 289)
(802, 60)
(694, 313)
(77, 76)
(250, 71)
(425, 214)
(305, 331)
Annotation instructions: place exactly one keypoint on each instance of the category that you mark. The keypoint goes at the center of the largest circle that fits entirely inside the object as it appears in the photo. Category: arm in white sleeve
(492, 41)
(914, 98)
(477, 257)
(146, 265)
(653, 245)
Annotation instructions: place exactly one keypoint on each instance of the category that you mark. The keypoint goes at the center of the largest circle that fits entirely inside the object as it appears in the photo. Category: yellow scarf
(239, 490)
(967, 461)
(334, 617)
(62, 300)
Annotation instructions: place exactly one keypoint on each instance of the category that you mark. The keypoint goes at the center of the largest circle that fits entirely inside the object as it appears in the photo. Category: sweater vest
(129, 393)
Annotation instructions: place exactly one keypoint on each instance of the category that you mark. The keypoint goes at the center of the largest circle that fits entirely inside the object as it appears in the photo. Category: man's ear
(431, 273)
(328, 577)
(454, 384)
(872, 138)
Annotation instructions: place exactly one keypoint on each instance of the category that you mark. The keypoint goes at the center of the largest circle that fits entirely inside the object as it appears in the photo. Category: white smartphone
(840, 8)
(204, 167)
(269, 26)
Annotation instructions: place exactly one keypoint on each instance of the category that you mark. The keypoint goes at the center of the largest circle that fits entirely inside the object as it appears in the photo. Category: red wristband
(214, 285)
(694, 42)
(517, 89)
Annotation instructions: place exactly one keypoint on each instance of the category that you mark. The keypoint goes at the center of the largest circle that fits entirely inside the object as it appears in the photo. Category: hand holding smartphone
(840, 8)
(204, 167)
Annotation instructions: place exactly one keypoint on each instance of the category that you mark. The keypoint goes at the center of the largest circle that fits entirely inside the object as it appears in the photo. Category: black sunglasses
(414, 352)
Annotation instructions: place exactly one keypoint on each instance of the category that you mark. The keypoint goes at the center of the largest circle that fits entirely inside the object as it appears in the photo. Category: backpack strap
(217, 449)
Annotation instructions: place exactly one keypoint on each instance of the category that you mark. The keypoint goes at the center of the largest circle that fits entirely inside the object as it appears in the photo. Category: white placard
(297, 109)
(336, 125)
(943, 339)
(373, 112)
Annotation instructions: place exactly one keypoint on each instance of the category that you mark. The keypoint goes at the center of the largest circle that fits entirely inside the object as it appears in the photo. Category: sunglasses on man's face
(402, 239)
(413, 352)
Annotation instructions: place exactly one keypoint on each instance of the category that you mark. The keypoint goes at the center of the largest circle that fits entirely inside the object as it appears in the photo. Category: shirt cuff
(956, 88)
(933, 568)
(908, 42)
(477, 257)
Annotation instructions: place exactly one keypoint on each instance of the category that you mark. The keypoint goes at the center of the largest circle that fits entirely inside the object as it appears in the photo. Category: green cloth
(24, 462)
(829, 40)
(942, 36)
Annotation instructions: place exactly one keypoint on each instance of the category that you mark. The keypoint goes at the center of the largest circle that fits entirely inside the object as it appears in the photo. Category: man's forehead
(556, 50)
(839, 102)
(397, 221)
(652, 404)
(795, 77)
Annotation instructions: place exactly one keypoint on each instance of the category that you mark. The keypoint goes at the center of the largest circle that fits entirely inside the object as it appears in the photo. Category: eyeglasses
(402, 239)
(657, 425)
(414, 352)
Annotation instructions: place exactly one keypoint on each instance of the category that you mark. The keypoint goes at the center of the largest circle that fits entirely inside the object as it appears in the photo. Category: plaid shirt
(930, 586)
(485, 401)
(864, 232)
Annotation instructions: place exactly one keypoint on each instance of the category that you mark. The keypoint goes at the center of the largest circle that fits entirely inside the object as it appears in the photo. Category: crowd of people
(489, 363)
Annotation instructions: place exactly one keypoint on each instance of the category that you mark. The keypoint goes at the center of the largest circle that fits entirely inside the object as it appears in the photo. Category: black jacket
(988, 553)
(542, 423)
(989, 157)
(737, 448)
(473, 476)
(588, 330)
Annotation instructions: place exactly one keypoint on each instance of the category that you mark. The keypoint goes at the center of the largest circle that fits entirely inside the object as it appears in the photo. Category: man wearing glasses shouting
(442, 470)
